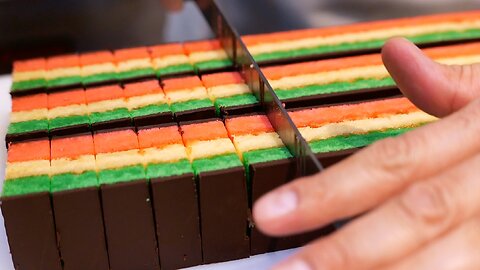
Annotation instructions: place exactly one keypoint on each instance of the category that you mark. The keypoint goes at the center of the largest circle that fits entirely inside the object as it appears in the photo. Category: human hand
(421, 190)
(172, 5)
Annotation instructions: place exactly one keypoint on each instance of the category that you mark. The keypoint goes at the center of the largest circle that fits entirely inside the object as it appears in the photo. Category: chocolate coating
(153, 119)
(129, 226)
(79, 225)
(224, 215)
(31, 232)
(175, 205)
(112, 124)
(197, 114)
(70, 130)
(240, 110)
(26, 136)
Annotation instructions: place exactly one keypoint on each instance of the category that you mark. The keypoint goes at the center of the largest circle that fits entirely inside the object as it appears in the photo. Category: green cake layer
(213, 64)
(100, 77)
(150, 110)
(63, 81)
(265, 155)
(168, 169)
(125, 174)
(174, 69)
(119, 113)
(336, 87)
(30, 84)
(216, 163)
(67, 121)
(236, 100)
(428, 38)
(143, 72)
(69, 181)
(26, 185)
(27, 126)
(353, 141)
(191, 105)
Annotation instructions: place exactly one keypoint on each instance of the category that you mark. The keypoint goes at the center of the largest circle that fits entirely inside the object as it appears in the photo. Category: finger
(435, 88)
(370, 177)
(458, 249)
(172, 5)
(425, 211)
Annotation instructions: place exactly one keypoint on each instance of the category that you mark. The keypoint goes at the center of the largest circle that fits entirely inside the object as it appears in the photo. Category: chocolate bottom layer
(70, 130)
(197, 114)
(25, 136)
(153, 119)
(80, 229)
(31, 232)
(239, 110)
(117, 123)
(224, 213)
(177, 219)
(129, 226)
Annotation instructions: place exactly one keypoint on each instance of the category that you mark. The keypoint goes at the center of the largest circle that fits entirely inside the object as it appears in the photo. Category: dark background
(46, 27)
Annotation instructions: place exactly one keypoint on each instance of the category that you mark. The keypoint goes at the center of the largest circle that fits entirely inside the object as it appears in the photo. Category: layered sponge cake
(230, 93)
(147, 103)
(170, 59)
(29, 74)
(342, 127)
(133, 63)
(188, 98)
(67, 112)
(338, 40)
(29, 117)
(106, 105)
(311, 82)
(63, 71)
(98, 67)
(207, 55)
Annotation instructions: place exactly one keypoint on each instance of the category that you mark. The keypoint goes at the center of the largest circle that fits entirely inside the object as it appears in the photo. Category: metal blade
(237, 51)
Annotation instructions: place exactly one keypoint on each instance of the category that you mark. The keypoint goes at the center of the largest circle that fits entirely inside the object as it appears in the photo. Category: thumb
(435, 88)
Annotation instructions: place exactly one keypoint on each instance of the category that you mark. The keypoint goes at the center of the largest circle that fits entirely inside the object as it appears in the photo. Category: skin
(418, 192)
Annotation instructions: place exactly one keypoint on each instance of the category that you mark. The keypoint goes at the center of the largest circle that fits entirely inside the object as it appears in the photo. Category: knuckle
(428, 204)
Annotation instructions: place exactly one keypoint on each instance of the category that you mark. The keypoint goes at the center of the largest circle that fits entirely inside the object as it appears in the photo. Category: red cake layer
(26, 151)
(93, 58)
(63, 61)
(253, 124)
(166, 49)
(159, 137)
(71, 97)
(142, 88)
(72, 147)
(131, 53)
(203, 131)
(202, 46)
(29, 65)
(223, 78)
(31, 102)
(96, 94)
(181, 83)
(115, 141)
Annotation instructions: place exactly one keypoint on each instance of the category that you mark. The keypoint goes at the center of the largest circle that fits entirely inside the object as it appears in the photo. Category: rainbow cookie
(174, 196)
(127, 211)
(98, 67)
(76, 203)
(133, 63)
(26, 202)
(346, 127)
(63, 71)
(362, 37)
(350, 78)
(230, 93)
(188, 98)
(207, 55)
(67, 112)
(28, 119)
(222, 191)
(147, 103)
(107, 107)
(170, 60)
(28, 75)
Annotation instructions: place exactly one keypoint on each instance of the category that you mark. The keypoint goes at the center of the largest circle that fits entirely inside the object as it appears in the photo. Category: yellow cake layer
(28, 75)
(363, 36)
(366, 125)
(228, 90)
(245, 143)
(62, 72)
(142, 101)
(27, 168)
(69, 165)
(460, 60)
(134, 64)
(204, 149)
(21, 116)
(118, 159)
(106, 105)
(98, 68)
(321, 78)
(187, 94)
(170, 60)
(70, 110)
(169, 153)
(197, 57)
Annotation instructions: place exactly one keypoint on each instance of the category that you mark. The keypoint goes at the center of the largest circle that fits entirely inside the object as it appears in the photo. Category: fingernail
(293, 265)
(277, 204)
